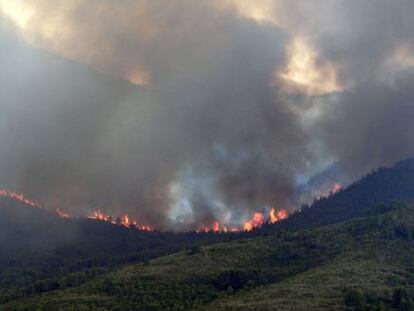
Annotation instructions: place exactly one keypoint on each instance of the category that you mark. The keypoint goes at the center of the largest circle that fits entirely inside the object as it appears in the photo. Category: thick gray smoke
(370, 124)
(211, 135)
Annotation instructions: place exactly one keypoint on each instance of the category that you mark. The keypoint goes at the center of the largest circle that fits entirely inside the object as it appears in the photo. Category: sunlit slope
(321, 288)
(317, 268)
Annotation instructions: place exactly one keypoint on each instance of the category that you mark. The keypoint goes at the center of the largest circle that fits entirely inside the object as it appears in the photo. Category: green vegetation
(41, 252)
(381, 186)
(351, 251)
(363, 264)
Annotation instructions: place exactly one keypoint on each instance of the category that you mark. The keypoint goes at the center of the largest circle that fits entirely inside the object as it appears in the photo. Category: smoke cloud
(177, 112)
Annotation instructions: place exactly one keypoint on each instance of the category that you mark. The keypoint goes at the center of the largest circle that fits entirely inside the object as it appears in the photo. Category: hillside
(381, 186)
(352, 239)
(38, 246)
(364, 262)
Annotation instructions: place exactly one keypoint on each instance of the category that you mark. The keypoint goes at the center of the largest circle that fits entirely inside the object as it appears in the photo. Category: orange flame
(214, 227)
(336, 187)
(217, 227)
(256, 221)
(98, 215)
(277, 216)
(19, 197)
(147, 228)
(62, 213)
(125, 221)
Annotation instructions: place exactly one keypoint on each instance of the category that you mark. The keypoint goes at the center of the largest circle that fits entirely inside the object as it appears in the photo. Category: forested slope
(363, 263)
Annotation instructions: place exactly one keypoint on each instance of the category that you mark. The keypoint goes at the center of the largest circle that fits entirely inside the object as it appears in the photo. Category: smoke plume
(183, 112)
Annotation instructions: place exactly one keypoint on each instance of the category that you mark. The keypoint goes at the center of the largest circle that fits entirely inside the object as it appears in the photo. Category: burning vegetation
(62, 213)
(19, 197)
(124, 220)
(336, 187)
(257, 220)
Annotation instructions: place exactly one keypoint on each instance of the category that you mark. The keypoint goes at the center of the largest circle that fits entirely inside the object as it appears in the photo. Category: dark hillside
(382, 186)
(43, 253)
(36, 245)
(362, 264)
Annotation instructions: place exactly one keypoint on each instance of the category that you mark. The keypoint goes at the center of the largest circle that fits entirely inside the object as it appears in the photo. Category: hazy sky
(183, 111)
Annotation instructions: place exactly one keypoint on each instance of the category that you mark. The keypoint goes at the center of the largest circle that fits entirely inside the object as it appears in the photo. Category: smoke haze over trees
(189, 111)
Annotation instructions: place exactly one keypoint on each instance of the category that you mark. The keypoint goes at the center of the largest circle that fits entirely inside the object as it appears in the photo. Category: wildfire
(125, 221)
(336, 187)
(258, 219)
(275, 216)
(19, 197)
(216, 227)
(62, 213)
(98, 215)
(147, 228)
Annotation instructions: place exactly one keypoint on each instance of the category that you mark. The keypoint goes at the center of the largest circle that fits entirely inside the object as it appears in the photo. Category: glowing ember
(19, 197)
(62, 213)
